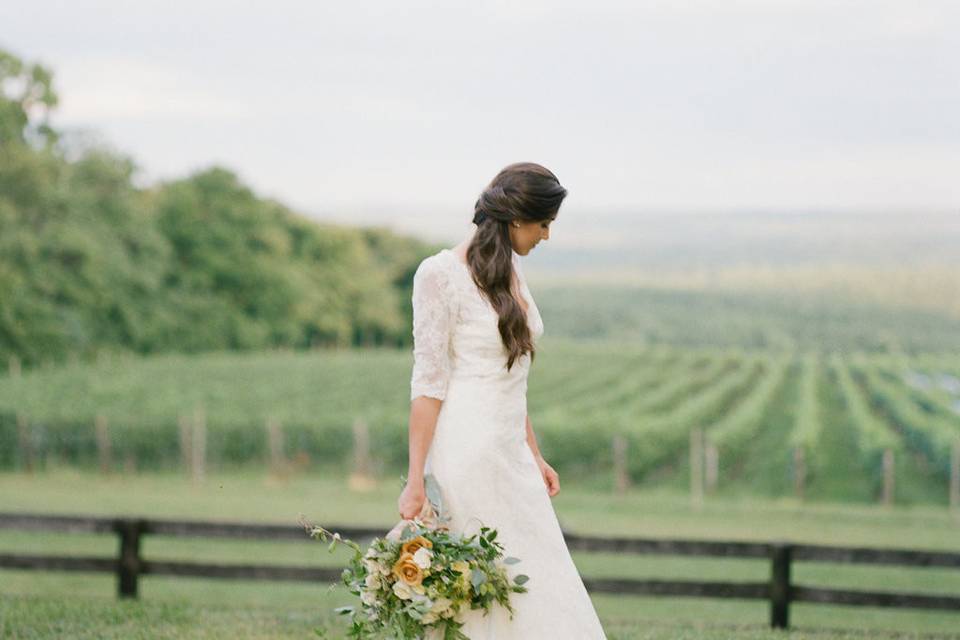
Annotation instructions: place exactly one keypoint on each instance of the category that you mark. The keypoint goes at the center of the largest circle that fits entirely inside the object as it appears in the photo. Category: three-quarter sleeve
(434, 317)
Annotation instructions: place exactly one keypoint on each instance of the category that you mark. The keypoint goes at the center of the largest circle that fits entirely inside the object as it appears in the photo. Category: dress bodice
(455, 328)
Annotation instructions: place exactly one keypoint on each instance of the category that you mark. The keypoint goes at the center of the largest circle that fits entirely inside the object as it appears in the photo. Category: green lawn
(59, 605)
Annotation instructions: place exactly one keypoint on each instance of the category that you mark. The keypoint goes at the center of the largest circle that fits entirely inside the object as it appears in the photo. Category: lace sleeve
(433, 321)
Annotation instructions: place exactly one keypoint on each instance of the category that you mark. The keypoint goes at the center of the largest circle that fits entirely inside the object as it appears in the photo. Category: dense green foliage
(89, 262)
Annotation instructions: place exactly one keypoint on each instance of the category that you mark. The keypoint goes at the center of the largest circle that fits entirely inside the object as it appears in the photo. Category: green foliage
(90, 263)
(25, 91)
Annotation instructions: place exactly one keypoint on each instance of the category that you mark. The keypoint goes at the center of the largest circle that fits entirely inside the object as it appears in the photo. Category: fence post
(26, 442)
(199, 441)
(955, 475)
(361, 478)
(799, 471)
(888, 479)
(278, 461)
(780, 554)
(713, 465)
(128, 567)
(185, 426)
(14, 367)
(621, 478)
(103, 443)
(696, 467)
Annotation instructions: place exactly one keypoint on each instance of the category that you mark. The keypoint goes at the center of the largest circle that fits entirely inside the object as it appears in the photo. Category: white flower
(440, 605)
(429, 617)
(368, 597)
(422, 557)
(373, 581)
(402, 590)
(371, 553)
(421, 600)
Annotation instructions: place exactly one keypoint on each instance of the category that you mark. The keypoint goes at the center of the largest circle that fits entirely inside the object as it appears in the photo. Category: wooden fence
(129, 565)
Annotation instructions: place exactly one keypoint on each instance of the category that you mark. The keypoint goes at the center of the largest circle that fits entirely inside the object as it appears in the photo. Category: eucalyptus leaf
(477, 578)
(521, 578)
(511, 560)
(434, 495)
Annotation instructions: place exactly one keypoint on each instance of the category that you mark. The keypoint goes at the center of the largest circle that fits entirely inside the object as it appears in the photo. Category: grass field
(58, 605)
(843, 383)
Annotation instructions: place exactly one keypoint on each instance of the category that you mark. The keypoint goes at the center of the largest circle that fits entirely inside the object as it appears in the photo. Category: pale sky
(395, 108)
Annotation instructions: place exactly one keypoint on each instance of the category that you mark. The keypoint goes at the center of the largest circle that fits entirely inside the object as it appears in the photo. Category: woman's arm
(550, 477)
(423, 421)
(532, 440)
(434, 316)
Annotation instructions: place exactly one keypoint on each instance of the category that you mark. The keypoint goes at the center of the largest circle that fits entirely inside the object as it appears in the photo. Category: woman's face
(526, 236)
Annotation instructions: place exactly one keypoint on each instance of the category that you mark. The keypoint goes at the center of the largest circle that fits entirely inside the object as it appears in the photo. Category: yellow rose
(461, 566)
(407, 570)
(411, 546)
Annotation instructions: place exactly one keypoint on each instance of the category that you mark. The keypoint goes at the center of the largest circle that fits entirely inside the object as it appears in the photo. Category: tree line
(91, 262)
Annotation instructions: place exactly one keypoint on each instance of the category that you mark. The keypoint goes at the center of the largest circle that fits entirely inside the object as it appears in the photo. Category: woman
(474, 327)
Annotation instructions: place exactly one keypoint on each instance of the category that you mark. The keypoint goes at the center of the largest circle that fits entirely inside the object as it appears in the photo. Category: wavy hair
(523, 192)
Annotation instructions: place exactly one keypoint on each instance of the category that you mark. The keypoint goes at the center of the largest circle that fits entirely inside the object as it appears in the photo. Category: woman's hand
(411, 500)
(550, 477)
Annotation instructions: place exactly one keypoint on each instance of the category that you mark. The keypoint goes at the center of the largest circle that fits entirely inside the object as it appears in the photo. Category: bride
(475, 327)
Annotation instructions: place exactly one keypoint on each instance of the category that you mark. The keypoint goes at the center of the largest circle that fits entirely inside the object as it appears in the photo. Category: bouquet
(413, 581)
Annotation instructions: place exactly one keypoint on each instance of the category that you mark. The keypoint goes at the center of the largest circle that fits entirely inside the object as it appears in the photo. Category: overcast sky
(396, 107)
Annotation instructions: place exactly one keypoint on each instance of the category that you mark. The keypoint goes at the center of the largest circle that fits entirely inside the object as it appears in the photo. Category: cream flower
(373, 581)
(440, 605)
(422, 557)
(402, 590)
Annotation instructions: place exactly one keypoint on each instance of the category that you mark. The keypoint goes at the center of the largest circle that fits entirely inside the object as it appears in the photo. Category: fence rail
(129, 565)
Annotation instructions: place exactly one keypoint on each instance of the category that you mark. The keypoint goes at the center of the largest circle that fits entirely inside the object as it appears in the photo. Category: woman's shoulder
(433, 264)
(434, 271)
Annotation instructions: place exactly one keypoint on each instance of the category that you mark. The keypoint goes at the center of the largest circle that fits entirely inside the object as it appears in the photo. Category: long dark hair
(525, 192)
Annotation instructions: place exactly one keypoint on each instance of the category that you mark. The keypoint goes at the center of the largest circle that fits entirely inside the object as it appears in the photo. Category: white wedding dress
(480, 457)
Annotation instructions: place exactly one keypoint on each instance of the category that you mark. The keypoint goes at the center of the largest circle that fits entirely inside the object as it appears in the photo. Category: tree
(26, 99)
